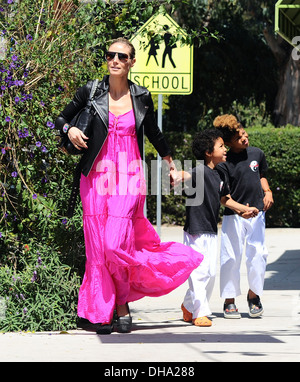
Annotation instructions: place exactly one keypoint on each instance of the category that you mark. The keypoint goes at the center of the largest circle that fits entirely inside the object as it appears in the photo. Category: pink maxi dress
(125, 259)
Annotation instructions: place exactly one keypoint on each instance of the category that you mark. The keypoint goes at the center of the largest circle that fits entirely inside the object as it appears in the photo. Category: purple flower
(38, 144)
(29, 37)
(14, 57)
(7, 119)
(3, 87)
(44, 149)
(50, 124)
(17, 99)
(0, 234)
(20, 82)
(34, 277)
(3, 151)
(10, 1)
(64, 221)
(34, 196)
(14, 174)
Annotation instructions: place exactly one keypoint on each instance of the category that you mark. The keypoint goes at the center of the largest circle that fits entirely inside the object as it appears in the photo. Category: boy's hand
(268, 200)
(250, 212)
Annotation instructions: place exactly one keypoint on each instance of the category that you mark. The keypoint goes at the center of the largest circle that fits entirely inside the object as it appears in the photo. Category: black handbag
(82, 121)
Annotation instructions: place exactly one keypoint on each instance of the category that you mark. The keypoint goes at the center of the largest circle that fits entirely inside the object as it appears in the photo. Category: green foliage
(40, 292)
(237, 67)
(281, 147)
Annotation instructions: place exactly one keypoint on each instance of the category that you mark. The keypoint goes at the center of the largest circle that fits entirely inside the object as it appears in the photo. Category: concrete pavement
(160, 335)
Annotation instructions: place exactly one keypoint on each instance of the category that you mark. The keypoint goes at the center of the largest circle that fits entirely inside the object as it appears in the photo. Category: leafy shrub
(39, 292)
(281, 147)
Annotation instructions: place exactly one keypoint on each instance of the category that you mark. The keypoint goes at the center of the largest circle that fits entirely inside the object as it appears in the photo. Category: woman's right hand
(77, 137)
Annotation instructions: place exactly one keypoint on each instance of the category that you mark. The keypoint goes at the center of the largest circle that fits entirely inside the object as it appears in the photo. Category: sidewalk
(160, 335)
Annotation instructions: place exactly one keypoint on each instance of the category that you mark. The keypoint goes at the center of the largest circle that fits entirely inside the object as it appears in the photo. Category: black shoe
(255, 306)
(231, 311)
(124, 323)
(99, 328)
(105, 328)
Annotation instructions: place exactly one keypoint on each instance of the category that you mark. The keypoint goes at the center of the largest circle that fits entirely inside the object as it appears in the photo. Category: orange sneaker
(187, 316)
(202, 321)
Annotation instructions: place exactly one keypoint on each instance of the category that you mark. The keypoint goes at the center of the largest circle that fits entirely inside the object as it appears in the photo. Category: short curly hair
(229, 125)
(205, 142)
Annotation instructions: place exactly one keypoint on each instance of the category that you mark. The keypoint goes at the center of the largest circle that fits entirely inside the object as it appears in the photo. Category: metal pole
(158, 204)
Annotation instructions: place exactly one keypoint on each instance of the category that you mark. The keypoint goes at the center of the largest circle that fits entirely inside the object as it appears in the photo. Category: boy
(200, 230)
(245, 170)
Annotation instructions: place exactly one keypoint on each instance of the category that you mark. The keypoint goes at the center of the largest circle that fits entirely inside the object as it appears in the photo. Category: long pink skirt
(125, 259)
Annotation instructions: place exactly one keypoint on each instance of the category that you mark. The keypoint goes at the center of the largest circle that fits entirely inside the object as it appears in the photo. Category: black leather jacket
(144, 118)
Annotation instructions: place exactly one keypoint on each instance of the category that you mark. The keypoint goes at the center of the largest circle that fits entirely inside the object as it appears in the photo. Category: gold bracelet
(268, 190)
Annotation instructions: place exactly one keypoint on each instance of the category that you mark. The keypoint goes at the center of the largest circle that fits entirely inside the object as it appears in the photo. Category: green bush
(40, 293)
(281, 147)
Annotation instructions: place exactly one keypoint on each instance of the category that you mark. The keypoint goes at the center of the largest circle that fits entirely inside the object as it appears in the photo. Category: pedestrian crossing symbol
(163, 65)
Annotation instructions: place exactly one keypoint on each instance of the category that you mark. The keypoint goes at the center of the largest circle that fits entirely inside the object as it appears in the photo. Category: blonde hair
(228, 125)
(124, 41)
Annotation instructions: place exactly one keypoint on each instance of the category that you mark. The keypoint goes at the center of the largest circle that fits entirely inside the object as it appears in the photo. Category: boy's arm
(185, 176)
(268, 199)
(181, 176)
(245, 211)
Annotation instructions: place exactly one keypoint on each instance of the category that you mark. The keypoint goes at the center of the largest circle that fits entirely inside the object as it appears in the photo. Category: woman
(125, 258)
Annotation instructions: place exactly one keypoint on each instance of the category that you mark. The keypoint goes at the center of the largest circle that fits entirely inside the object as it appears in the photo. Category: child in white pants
(238, 233)
(245, 169)
(202, 279)
(200, 230)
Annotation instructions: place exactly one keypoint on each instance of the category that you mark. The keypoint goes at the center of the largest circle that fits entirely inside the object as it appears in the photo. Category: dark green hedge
(282, 149)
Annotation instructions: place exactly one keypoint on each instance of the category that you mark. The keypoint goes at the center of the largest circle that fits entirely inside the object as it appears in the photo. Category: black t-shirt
(243, 171)
(203, 218)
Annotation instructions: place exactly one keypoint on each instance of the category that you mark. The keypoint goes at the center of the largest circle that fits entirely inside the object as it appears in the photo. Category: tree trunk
(287, 103)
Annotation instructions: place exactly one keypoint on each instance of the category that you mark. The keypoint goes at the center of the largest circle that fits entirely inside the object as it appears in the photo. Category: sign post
(163, 67)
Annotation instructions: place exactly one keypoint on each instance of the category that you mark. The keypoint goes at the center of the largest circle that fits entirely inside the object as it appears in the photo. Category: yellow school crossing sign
(162, 65)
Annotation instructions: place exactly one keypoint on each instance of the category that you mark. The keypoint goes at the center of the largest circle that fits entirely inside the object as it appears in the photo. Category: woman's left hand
(175, 177)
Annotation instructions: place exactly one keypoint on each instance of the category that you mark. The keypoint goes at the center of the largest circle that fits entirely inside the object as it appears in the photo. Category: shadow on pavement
(283, 274)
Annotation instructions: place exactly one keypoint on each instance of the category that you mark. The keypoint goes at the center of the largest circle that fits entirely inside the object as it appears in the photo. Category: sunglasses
(123, 57)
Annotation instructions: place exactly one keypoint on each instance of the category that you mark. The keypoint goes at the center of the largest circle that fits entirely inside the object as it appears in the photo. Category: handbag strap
(93, 90)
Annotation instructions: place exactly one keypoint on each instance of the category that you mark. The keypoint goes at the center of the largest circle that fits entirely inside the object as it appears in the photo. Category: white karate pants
(237, 231)
(202, 279)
